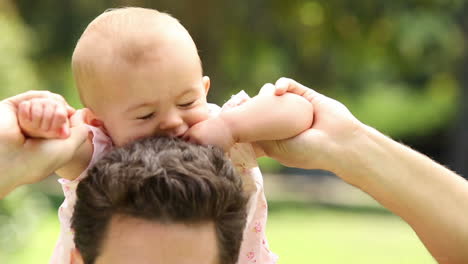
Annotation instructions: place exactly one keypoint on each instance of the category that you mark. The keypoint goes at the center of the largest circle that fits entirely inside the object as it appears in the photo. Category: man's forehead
(136, 240)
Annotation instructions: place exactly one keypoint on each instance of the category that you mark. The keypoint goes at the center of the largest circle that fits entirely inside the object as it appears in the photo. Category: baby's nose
(172, 125)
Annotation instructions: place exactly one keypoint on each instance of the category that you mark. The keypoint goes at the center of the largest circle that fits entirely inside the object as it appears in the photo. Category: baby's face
(164, 96)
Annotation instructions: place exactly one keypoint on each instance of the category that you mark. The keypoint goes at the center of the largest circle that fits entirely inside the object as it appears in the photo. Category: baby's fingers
(37, 111)
(43, 118)
(30, 118)
(48, 112)
(24, 112)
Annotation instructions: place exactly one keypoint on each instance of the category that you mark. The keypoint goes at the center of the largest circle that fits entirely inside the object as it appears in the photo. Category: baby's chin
(117, 142)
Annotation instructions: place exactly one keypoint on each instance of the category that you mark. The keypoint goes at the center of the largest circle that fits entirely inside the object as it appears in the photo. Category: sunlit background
(398, 65)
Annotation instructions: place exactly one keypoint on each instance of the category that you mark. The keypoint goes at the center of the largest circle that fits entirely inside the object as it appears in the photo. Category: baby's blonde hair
(119, 35)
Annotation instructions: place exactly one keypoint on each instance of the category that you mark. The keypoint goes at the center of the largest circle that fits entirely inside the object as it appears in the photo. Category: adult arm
(430, 198)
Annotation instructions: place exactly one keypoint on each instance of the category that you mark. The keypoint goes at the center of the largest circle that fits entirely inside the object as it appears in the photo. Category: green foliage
(21, 216)
(17, 70)
(395, 64)
(382, 58)
(400, 111)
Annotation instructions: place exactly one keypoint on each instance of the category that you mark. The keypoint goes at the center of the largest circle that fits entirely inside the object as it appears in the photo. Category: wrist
(364, 156)
(11, 175)
(229, 127)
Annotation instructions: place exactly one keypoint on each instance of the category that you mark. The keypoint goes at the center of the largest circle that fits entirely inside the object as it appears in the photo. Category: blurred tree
(394, 63)
(399, 65)
(19, 213)
(17, 71)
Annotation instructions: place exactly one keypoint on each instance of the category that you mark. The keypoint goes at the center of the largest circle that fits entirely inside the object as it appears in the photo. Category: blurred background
(398, 65)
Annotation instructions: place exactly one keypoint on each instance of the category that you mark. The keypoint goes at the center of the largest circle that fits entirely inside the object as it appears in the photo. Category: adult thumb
(49, 155)
(78, 135)
(79, 118)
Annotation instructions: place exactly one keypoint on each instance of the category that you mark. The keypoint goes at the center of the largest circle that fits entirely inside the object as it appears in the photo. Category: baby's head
(139, 73)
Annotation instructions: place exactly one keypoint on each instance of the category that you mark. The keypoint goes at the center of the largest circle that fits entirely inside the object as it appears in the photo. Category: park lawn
(305, 235)
(333, 236)
(40, 247)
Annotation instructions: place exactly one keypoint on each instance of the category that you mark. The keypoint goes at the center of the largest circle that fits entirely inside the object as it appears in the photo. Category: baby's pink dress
(254, 248)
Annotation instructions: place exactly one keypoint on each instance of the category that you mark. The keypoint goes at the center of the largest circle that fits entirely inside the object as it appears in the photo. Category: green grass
(40, 246)
(297, 235)
(332, 236)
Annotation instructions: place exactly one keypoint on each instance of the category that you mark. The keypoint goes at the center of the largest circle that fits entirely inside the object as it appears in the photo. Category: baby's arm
(268, 117)
(48, 118)
(264, 117)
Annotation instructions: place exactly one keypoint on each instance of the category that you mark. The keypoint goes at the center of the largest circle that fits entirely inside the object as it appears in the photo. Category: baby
(139, 74)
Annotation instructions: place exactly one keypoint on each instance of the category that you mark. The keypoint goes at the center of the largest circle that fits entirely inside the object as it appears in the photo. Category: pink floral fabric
(254, 248)
(65, 244)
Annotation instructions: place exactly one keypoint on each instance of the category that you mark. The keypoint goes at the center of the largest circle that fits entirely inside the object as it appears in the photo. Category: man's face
(131, 240)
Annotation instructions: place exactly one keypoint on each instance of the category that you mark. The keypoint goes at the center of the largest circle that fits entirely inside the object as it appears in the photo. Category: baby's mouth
(181, 135)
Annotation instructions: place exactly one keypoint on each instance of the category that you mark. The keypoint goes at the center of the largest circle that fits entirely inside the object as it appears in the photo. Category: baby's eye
(146, 117)
(187, 104)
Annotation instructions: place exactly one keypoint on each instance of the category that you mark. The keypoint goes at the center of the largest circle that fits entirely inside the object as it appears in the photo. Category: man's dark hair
(165, 180)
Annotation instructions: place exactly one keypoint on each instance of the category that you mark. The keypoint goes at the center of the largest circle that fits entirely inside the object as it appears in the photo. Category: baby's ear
(91, 119)
(85, 116)
(206, 83)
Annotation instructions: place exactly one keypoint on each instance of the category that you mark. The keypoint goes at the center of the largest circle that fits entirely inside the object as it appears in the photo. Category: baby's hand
(44, 118)
(213, 131)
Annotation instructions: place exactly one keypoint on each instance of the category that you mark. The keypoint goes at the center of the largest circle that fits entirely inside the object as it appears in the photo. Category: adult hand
(323, 146)
(24, 160)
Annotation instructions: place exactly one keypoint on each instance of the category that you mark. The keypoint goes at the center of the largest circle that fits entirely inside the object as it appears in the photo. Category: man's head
(139, 72)
(160, 200)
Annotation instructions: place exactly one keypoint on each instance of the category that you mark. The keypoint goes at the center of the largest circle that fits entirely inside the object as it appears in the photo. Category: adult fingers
(267, 88)
(79, 117)
(284, 85)
(48, 155)
(78, 135)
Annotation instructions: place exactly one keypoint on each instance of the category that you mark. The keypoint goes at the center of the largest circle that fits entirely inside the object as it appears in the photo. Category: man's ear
(206, 84)
(75, 257)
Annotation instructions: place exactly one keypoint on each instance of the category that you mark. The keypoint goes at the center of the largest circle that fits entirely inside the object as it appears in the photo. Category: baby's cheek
(197, 116)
